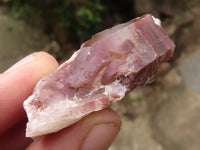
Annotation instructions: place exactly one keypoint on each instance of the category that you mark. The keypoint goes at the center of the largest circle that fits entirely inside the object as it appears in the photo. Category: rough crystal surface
(113, 62)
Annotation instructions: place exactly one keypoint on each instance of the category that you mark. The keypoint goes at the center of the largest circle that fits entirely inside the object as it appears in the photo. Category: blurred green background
(160, 116)
(71, 22)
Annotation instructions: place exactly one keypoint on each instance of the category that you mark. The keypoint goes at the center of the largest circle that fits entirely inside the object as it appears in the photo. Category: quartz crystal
(101, 72)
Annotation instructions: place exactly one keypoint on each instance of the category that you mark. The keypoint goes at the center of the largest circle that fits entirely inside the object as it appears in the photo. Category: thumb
(94, 132)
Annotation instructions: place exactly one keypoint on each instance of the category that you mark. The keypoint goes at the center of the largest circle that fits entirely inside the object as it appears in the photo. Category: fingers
(17, 83)
(94, 132)
(14, 138)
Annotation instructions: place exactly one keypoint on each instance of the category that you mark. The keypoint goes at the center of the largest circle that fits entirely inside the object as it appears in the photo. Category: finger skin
(14, 138)
(17, 84)
(76, 135)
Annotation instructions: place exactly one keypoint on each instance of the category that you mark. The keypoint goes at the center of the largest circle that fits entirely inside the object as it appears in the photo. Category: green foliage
(177, 18)
(159, 79)
(21, 11)
(82, 16)
(6, 1)
(134, 98)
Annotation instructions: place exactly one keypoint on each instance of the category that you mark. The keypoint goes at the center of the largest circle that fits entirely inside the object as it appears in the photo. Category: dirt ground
(160, 116)
(17, 39)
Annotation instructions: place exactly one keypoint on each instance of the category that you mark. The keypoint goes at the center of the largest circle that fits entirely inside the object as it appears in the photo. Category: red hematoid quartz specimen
(106, 67)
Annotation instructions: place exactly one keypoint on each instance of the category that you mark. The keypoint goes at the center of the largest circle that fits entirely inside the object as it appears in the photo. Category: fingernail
(100, 137)
(23, 61)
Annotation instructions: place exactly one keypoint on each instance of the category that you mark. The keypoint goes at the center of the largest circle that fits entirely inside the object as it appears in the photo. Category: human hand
(94, 132)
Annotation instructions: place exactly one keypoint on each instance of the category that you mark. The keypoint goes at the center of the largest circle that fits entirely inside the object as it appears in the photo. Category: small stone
(164, 68)
(173, 78)
(190, 70)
